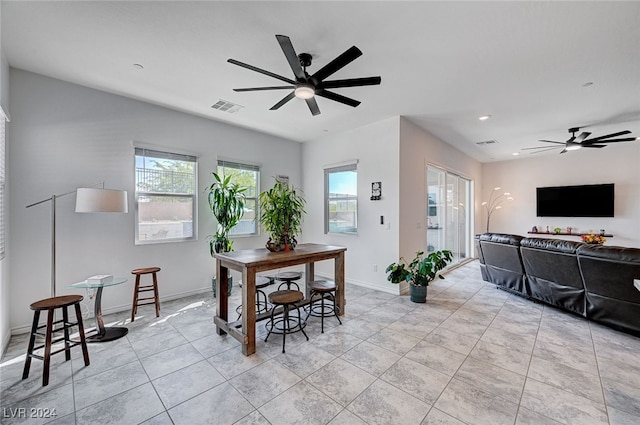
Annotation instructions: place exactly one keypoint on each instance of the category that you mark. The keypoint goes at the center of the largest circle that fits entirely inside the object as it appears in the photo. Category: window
(165, 196)
(248, 176)
(341, 199)
(2, 183)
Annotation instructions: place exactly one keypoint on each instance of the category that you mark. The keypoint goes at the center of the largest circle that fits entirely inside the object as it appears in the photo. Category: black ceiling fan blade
(351, 54)
(620, 133)
(553, 141)
(626, 139)
(564, 151)
(261, 71)
(542, 148)
(283, 101)
(313, 106)
(350, 82)
(583, 135)
(292, 57)
(264, 88)
(338, 97)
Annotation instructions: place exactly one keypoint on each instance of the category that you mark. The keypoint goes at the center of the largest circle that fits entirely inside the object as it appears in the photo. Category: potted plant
(226, 201)
(419, 272)
(281, 212)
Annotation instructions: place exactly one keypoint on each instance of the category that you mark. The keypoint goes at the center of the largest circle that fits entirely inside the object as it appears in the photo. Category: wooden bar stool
(288, 279)
(325, 289)
(50, 305)
(288, 299)
(144, 288)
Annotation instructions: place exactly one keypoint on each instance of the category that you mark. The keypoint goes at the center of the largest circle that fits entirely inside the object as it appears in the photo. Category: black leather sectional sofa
(594, 281)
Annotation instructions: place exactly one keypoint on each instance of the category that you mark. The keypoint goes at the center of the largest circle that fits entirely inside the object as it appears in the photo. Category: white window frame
(153, 153)
(351, 166)
(226, 163)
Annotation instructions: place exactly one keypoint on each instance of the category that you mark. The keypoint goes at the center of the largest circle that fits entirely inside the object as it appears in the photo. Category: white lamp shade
(92, 200)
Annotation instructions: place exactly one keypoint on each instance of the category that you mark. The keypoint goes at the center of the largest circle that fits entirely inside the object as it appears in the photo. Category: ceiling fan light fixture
(304, 91)
(573, 147)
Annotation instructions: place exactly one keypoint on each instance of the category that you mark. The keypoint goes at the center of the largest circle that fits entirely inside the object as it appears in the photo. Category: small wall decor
(376, 191)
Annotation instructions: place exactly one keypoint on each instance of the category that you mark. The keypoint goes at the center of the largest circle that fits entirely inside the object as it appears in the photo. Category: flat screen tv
(595, 200)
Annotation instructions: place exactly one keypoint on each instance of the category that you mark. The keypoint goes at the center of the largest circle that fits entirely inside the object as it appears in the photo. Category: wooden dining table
(252, 261)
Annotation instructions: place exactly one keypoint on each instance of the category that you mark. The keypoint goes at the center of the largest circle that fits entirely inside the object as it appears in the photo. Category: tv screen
(595, 200)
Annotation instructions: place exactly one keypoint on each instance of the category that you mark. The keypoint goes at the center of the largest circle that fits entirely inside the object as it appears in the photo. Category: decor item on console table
(419, 273)
(591, 238)
(572, 233)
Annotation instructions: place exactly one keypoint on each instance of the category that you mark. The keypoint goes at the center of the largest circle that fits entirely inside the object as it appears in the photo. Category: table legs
(103, 333)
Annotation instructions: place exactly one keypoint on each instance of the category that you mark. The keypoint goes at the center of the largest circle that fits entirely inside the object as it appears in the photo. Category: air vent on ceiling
(487, 142)
(226, 106)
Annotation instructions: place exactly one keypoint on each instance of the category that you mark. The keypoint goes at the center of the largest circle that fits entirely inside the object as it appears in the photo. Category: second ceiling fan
(307, 86)
(582, 141)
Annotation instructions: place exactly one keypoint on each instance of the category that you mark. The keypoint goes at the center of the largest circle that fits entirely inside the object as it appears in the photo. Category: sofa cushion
(553, 274)
(608, 273)
(501, 253)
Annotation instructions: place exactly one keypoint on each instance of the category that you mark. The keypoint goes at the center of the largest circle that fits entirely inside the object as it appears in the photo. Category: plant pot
(286, 244)
(418, 294)
(213, 286)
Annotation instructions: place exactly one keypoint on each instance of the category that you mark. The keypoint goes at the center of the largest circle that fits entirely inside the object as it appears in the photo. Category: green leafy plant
(226, 201)
(281, 213)
(421, 270)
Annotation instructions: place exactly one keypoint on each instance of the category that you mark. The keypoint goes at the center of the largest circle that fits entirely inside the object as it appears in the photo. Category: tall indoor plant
(226, 201)
(281, 213)
(419, 272)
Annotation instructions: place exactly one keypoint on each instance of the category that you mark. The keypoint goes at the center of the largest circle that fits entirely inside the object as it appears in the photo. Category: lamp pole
(495, 203)
(53, 199)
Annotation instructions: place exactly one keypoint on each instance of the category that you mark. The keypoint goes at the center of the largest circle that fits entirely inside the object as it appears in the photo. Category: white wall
(4, 279)
(395, 152)
(417, 149)
(375, 146)
(64, 136)
(617, 163)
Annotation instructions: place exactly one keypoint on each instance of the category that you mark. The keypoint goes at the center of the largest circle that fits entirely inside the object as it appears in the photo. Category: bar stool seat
(155, 299)
(262, 305)
(325, 289)
(288, 279)
(288, 300)
(50, 305)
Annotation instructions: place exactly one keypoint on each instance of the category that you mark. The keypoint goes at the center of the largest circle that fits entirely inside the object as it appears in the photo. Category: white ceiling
(443, 64)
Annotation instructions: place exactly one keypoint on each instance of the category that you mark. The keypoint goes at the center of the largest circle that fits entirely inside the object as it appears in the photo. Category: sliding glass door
(448, 213)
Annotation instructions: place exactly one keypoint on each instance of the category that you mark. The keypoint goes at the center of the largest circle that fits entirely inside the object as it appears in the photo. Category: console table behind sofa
(594, 281)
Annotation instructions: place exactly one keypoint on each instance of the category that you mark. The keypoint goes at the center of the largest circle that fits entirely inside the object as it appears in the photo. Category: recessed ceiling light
(138, 66)
(484, 117)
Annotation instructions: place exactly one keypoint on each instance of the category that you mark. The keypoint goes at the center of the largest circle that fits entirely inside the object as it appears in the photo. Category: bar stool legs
(144, 288)
(50, 305)
(262, 305)
(325, 289)
(288, 299)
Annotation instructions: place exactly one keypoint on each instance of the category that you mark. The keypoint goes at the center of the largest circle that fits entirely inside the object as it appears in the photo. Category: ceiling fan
(581, 141)
(305, 86)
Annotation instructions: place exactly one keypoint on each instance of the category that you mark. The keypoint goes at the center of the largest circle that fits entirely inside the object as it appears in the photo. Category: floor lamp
(88, 200)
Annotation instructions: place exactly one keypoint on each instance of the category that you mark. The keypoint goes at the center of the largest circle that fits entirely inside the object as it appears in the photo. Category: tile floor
(472, 354)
